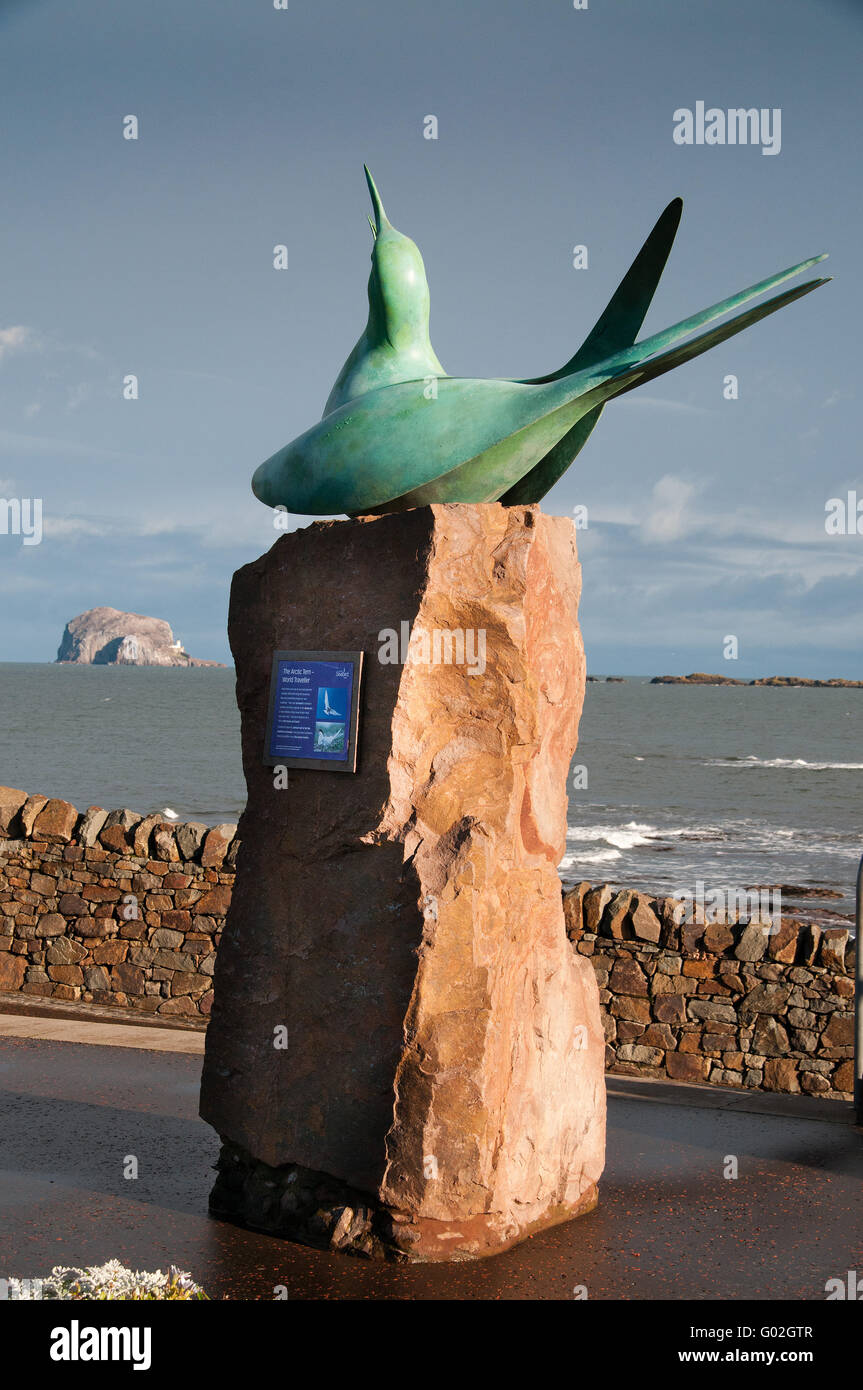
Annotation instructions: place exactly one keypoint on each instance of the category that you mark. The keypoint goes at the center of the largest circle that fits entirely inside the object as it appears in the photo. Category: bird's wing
(616, 328)
(534, 486)
(618, 325)
(543, 476)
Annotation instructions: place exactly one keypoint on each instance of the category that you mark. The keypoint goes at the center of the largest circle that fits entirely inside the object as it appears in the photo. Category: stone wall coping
(636, 921)
(41, 820)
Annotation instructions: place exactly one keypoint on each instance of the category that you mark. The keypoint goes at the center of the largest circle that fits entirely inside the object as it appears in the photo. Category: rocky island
(792, 682)
(107, 637)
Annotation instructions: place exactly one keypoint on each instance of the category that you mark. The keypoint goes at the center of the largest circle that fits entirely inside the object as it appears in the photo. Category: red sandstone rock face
(11, 802)
(12, 971)
(405, 924)
(55, 822)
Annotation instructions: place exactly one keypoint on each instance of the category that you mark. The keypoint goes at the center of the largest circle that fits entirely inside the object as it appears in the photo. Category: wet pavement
(670, 1225)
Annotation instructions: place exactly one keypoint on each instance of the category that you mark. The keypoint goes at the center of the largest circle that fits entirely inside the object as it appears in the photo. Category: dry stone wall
(746, 1003)
(111, 908)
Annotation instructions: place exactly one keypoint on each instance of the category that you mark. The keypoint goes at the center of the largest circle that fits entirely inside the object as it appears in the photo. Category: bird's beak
(381, 219)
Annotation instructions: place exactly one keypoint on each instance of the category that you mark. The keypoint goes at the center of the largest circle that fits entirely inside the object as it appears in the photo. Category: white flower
(108, 1281)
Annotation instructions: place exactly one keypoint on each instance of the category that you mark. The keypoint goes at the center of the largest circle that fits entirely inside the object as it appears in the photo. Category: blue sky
(154, 257)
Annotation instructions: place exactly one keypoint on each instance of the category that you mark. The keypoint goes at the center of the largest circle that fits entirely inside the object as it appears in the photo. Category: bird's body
(397, 432)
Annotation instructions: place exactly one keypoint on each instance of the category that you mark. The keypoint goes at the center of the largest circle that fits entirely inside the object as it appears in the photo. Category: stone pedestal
(441, 1094)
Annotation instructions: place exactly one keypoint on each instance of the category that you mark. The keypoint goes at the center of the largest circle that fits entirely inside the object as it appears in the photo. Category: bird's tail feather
(624, 380)
(629, 357)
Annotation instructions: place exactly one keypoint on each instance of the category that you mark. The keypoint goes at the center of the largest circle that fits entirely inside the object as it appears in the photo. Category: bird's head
(398, 288)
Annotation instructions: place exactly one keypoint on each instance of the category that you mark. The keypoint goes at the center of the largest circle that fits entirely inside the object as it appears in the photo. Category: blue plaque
(313, 714)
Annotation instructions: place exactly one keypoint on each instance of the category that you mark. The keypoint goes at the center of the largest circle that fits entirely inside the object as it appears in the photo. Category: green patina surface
(397, 432)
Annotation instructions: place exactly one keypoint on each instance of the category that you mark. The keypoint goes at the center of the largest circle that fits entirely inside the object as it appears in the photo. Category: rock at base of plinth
(441, 1092)
(316, 1209)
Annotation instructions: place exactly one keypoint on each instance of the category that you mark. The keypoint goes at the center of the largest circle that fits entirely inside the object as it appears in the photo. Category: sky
(153, 257)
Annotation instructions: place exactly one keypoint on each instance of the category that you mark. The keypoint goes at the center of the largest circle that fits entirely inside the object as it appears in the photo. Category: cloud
(719, 576)
(78, 394)
(19, 581)
(656, 403)
(665, 519)
(52, 343)
(42, 444)
(18, 338)
(252, 528)
(70, 527)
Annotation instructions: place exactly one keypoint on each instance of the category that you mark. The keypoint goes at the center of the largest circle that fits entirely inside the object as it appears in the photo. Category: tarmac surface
(669, 1225)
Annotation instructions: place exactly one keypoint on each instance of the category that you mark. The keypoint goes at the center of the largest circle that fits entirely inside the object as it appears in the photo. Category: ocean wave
(619, 836)
(633, 834)
(599, 856)
(796, 763)
(736, 836)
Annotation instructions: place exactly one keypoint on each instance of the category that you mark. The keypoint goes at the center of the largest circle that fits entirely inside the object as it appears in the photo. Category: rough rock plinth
(441, 1091)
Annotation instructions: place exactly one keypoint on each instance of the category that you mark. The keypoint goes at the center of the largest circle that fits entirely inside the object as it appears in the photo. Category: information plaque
(313, 714)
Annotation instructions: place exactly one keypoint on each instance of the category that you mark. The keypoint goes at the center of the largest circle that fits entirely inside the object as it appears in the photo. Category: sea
(671, 786)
